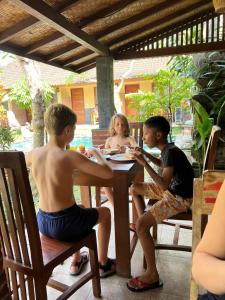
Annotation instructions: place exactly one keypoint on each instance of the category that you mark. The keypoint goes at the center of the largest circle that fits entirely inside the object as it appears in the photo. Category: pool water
(26, 145)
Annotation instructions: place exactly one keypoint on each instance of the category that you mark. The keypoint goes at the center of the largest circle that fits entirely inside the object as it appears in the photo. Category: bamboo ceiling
(72, 34)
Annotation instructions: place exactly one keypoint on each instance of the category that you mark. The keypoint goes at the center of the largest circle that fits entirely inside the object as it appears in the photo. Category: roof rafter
(167, 18)
(126, 22)
(29, 22)
(159, 32)
(104, 12)
(41, 58)
(138, 17)
(81, 24)
(45, 13)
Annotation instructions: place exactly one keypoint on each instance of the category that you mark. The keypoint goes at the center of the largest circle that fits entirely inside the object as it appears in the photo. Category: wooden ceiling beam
(187, 49)
(161, 31)
(84, 64)
(77, 57)
(88, 67)
(81, 24)
(104, 13)
(62, 51)
(29, 22)
(126, 22)
(147, 13)
(45, 13)
(41, 58)
(167, 18)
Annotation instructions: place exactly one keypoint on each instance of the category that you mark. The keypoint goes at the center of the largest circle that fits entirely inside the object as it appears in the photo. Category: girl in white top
(119, 138)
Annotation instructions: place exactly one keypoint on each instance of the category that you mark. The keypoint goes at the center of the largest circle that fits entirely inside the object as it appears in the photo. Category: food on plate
(110, 151)
(129, 156)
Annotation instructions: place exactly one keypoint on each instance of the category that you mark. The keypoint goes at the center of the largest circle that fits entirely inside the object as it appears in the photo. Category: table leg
(85, 194)
(121, 219)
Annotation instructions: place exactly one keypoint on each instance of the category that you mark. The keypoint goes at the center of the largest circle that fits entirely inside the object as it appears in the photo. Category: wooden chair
(28, 258)
(205, 194)
(4, 290)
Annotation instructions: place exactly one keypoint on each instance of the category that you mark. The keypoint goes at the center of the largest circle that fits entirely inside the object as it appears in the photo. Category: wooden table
(123, 175)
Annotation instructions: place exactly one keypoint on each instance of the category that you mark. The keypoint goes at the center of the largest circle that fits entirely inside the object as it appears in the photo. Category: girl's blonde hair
(112, 131)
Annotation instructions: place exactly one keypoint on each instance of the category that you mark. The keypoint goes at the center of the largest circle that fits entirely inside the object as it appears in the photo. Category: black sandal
(108, 269)
(80, 264)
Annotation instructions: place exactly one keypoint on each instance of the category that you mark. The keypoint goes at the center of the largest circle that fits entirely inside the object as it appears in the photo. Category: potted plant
(6, 137)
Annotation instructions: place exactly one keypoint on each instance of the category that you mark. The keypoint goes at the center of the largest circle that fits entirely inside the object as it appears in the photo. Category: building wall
(90, 99)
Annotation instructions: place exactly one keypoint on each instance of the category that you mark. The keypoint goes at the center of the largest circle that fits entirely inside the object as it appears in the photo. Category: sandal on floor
(132, 227)
(108, 269)
(80, 264)
(137, 285)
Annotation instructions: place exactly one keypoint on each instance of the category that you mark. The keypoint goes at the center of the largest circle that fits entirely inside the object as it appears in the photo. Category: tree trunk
(37, 95)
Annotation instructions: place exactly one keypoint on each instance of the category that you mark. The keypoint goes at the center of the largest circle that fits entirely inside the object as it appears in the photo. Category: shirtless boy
(52, 167)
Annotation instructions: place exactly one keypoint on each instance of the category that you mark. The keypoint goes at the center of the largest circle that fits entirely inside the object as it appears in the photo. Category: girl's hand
(121, 149)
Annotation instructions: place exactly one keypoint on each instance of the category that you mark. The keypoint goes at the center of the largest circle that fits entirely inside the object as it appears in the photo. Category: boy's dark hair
(159, 123)
(57, 117)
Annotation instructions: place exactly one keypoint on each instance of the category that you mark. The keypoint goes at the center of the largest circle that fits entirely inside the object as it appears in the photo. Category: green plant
(208, 104)
(20, 93)
(170, 89)
(6, 137)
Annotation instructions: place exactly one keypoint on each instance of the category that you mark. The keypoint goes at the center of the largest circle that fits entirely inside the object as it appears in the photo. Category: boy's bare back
(52, 169)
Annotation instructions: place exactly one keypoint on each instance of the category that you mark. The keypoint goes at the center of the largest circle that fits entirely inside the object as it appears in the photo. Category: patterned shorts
(167, 204)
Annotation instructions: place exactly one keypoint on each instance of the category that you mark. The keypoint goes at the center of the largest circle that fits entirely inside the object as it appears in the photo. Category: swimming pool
(26, 145)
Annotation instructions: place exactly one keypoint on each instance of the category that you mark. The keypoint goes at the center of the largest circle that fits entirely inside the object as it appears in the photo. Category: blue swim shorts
(70, 224)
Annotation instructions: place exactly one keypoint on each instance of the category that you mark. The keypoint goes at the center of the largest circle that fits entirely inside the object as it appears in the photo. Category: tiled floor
(174, 268)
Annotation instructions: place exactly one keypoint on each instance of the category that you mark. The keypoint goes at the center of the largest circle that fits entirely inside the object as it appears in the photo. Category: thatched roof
(71, 34)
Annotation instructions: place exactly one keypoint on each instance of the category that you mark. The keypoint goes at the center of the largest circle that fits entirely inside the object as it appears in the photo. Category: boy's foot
(132, 227)
(77, 267)
(108, 269)
(137, 285)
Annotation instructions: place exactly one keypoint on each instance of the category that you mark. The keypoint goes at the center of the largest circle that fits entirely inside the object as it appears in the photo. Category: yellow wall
(88, 90)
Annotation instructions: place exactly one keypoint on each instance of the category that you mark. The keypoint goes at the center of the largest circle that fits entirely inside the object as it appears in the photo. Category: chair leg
(93, 252)
(98, 196)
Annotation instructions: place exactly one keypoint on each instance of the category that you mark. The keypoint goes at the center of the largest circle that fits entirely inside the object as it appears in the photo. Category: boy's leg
(141, 190)
(104, 228)
(109, 193)
(144, 223)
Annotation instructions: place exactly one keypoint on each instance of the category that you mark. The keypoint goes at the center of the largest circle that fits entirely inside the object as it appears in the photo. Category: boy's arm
(208, 261)
(164, 180)
(101, 169)
(28, 158)
(156, 161)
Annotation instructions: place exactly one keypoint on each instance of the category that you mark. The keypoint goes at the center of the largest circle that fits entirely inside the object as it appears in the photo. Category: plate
(122, 157)
(110, 151)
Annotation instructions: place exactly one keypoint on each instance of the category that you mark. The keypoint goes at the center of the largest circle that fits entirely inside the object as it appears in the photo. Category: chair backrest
(210, 155)
(20, 240)
(136, 130)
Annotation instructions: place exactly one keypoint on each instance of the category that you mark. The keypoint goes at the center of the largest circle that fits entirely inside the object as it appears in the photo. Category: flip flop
(132, 227)
(108, 269)
(139, 286)
(80, 264)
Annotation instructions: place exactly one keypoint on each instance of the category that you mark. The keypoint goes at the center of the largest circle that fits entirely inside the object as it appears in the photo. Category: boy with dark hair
(173, 190)
(52, 166)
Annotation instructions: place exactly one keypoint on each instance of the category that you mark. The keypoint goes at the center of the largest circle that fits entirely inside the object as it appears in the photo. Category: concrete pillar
(105, 91)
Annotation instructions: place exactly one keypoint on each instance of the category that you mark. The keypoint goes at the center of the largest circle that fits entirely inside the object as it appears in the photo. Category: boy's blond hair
(57, 117)
(112, 131)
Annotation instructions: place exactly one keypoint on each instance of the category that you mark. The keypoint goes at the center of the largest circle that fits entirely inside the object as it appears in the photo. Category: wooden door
(77, 99)
(130, 111)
